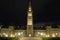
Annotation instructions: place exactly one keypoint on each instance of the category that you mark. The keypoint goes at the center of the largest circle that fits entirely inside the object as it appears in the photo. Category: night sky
(15, 11)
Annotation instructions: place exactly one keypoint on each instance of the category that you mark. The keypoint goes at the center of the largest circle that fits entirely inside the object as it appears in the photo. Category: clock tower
(29, 21)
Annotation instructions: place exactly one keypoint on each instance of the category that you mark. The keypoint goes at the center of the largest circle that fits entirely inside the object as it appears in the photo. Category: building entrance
(30, 38)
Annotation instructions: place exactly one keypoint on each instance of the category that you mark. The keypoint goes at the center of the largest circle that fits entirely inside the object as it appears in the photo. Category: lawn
(11, 38)
(8, 38)
(50, 38)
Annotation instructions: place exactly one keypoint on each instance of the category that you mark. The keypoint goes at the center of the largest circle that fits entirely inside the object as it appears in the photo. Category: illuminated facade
(29, 32)
(49, 32)
(29, 21)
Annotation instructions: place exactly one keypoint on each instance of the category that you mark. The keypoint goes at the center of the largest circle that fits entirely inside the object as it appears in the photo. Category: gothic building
(30, 32)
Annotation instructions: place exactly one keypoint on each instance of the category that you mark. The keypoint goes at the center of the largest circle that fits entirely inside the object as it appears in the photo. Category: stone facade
(11, 32)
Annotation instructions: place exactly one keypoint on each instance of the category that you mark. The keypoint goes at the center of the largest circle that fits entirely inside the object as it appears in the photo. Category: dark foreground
(50, 38)
(10, 38)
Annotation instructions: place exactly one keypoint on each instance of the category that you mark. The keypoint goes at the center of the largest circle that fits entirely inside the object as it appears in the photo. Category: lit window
(53, 35)
(12, 35)
(38, 32)
(42, 34)
(29, 35)
(19, 33)
(56, 33)
(6, 35)
(47, 35)
(29, 10)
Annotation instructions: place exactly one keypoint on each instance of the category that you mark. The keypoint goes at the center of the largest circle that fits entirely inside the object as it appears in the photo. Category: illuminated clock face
(30, 14)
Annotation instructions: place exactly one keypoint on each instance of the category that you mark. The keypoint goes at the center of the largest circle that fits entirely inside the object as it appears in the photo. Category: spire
(29, 3)
(29, 6)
